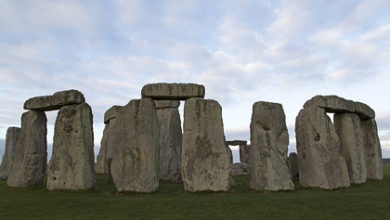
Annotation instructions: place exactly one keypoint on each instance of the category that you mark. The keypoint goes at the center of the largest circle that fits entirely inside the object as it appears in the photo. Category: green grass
(367, 201)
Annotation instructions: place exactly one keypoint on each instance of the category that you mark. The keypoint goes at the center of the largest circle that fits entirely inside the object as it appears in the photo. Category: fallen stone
(350, 133)
(55, 101)
(8, 156)
(28, 169)
(172, 91)
(319, 155)
(335, 104)
(170, 140)
(205, 157)
(238, 169)
(373, 150)
(269, 145)
(71, 165)
(166, 104)
(236, 142)
(292, 163)
(135, 153)
(112, 112)
(244, 153)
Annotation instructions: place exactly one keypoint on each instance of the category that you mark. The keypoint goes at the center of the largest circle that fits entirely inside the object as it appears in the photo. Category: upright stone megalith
(373, 150)
(292, 163)
(205, 158)
(135, 155)
(72, 163)
(269, 144)
(170, 140)
(8, 157)
(104, 155)
(30, 157)
(244, 153)
(348, 129)
(320, 161)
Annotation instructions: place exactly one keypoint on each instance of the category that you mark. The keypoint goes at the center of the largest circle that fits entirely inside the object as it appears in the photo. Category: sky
(241, 51)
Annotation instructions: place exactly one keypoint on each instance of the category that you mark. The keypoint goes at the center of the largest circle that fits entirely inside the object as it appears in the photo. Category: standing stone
(30, 157)
(244, 153)
(8, 157)
(135, 155)
(238, 169)
(319, 159)
(292, 163)
(110, 116)
(348, 128)
(269, 144)
(373, 150)
(170, 135)
(72, 163)
(205, 158)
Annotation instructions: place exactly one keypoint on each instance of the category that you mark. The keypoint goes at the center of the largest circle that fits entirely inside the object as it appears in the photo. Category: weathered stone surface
(170, 136)
(166, 104)
(135, 153)
(238, 169)
(236, 142)
(55, 101)
(364, 111)
(205, 157)
(8, 157)
(350, 133)
(373, 150)
(172, 91)
(335, 104)
(292, 163)
(72, 163)
(319, 155)
(112, 112)
(101, 159)
(269, 144)
(30, 157)
(244, 153)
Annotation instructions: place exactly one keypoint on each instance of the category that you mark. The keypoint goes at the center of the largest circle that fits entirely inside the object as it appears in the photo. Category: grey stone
(72, 163)
(348, 128)
(135, 153)
(238, 169)
(335, 104)
(319, 155)
(8, 156)
(112, 112)
(166, 104)
(236, 142)
(269, 144)
(244, 153)
(364, 111)
(292, 163)
(30, 157)
(205, 157)
(55, 101)
(373, 150)
(172, 91)
(170, 135)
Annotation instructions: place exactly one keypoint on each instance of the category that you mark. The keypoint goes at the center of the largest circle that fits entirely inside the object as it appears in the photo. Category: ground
(367, 201)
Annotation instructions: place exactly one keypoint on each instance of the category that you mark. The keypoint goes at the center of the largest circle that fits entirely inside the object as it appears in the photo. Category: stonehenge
(143, 143)
(205, 158)
(72, 163)
(269, 144)
(8, 157)
(170, 139)
(30, 157)
(335, 155)
(135, 153)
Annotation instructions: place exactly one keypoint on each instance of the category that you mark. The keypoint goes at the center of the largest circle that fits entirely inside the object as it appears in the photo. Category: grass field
(368, 201)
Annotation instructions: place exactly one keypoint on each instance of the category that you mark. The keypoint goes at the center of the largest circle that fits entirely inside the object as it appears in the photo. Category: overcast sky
(242, 51)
